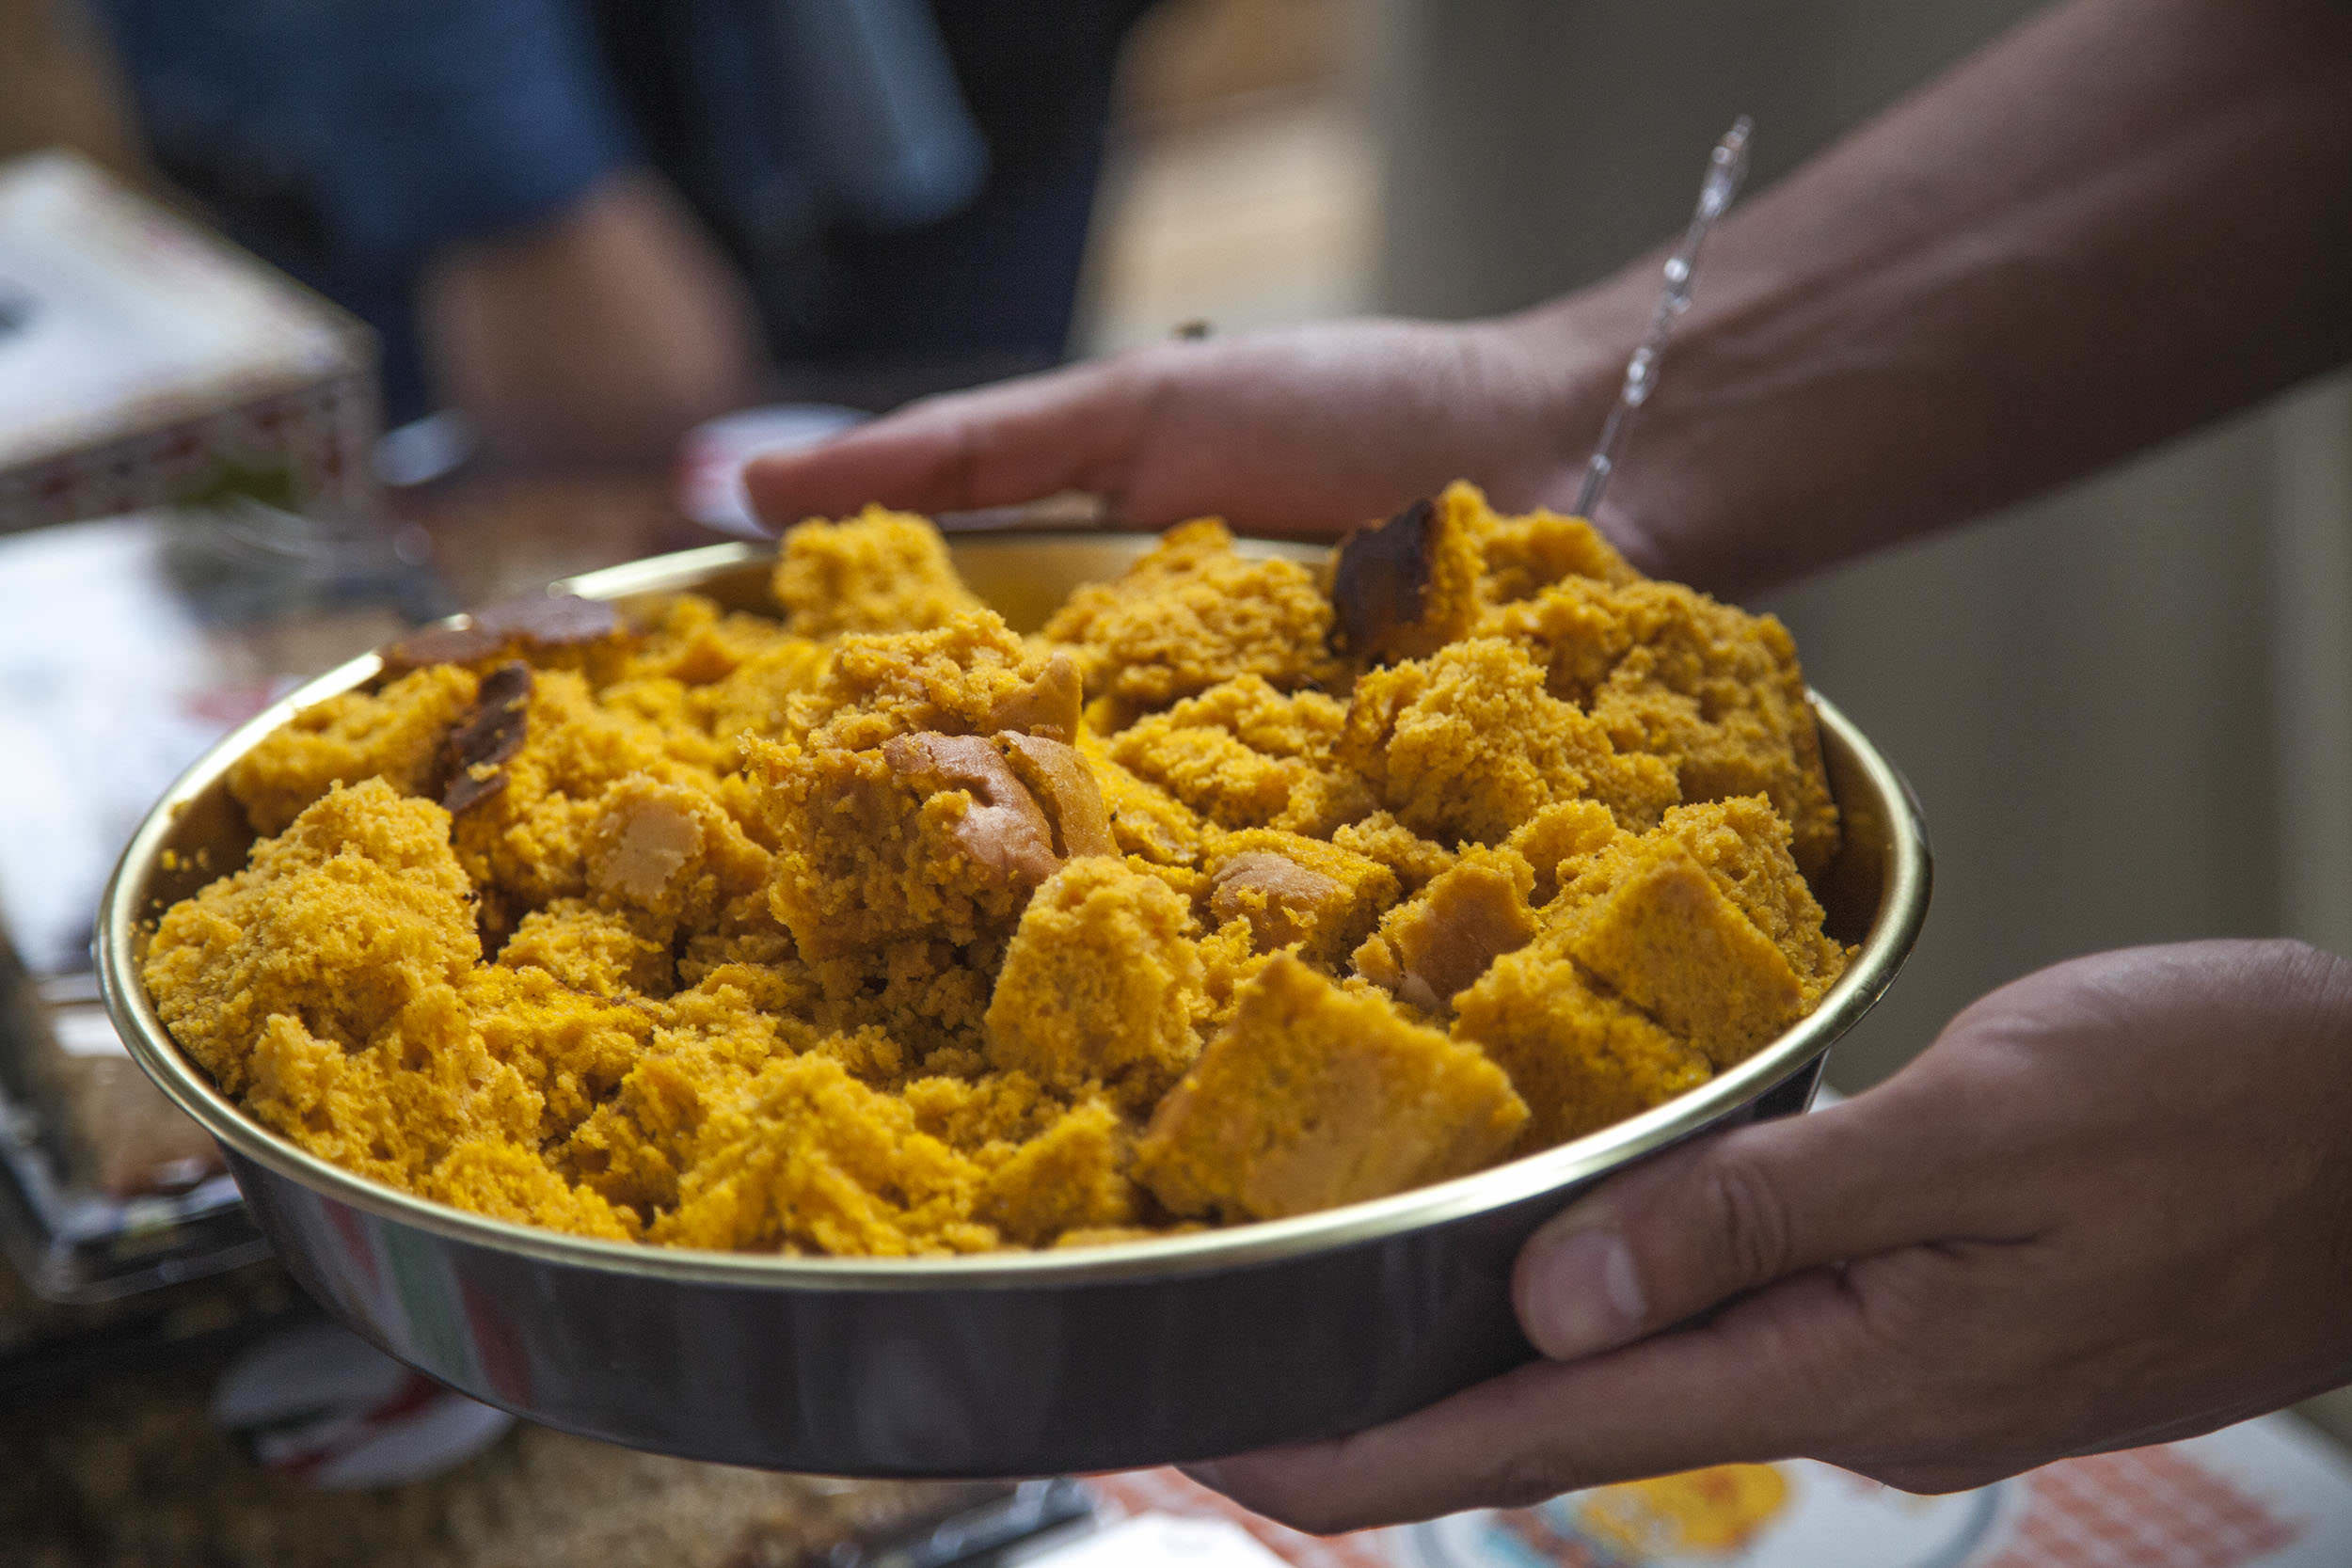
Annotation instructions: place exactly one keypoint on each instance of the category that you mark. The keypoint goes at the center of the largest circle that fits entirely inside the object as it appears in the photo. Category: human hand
(598, 336)
(2110, 1206)
(1308, 431)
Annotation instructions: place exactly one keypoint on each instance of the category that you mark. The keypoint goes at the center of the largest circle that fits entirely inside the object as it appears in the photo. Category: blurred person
(588, 224)
(2111, 1205)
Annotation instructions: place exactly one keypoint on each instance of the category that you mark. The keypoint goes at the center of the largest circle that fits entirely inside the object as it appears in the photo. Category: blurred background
(2124, 708)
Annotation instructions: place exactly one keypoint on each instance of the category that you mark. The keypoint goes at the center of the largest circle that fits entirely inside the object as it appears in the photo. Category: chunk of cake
(1101, 986)
(971, 676)
(1441, 940)
(926, 835)
(1467, 744)
(1071, 1177)
(1194, 613)
(393, 734)
(1578, 1057)
(1710, 688)
(1648, 921)
(1311, 1098)
(1245, 756)
(1297, 891)
(878, 571)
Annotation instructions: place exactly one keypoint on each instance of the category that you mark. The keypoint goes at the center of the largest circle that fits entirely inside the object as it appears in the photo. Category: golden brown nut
(1059, 777)
(1274, 893)
(1406, 587)
(1379, 577)
(650, 837)
(1047, 706)
(1297, 891)
(1005, 830)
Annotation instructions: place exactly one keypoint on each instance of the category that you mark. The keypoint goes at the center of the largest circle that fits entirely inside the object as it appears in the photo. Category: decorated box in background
(145, 362)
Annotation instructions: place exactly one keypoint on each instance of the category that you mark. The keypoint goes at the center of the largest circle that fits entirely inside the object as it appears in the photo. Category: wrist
(1578, 348)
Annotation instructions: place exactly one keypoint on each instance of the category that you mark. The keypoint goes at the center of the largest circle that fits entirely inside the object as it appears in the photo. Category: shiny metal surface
(998, 1364)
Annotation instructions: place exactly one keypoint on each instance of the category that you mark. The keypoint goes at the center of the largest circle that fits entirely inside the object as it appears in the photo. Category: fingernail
(1582, 1293)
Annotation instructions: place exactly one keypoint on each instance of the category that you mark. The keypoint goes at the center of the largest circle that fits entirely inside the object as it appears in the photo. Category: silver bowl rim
(1894, 929)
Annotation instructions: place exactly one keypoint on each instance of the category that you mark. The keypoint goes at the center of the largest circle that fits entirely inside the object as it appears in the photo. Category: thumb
(1735, 1212)
(1073, 429)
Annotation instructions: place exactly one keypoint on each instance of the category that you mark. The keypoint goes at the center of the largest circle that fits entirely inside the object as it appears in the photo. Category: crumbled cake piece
(692, 642)
(1427, 577)
(1664, 669)
(1521, 556)
(1381, 837)
(671, 851)
(755, 697)
(1101, 986)
(1647, 972)
(879, 927)
(1746, 846)
(347, 917)
(806, 1157)
(1311, 1098)
(1297, 892)
(1648, 921)
(323, 986)
(969, 675)
(878, 571)
(1245, 756)
(509, 1180)
(1557, 841)
(929, 835)
(1467, 744)
(1194, 613)
(588, 948)
(393, 734)
(529, 839)
(1441, 940)
(1070, 1178)
(1145, 820)
(1578, 1057)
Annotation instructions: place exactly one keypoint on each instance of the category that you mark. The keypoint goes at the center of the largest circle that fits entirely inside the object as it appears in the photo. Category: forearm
(2126, 218)
(598, 336)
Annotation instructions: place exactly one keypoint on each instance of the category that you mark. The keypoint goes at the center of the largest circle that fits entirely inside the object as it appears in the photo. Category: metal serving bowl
(1014, 1363)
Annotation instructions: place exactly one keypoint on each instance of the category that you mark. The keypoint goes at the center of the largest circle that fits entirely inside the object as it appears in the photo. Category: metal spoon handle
(1725, 167)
